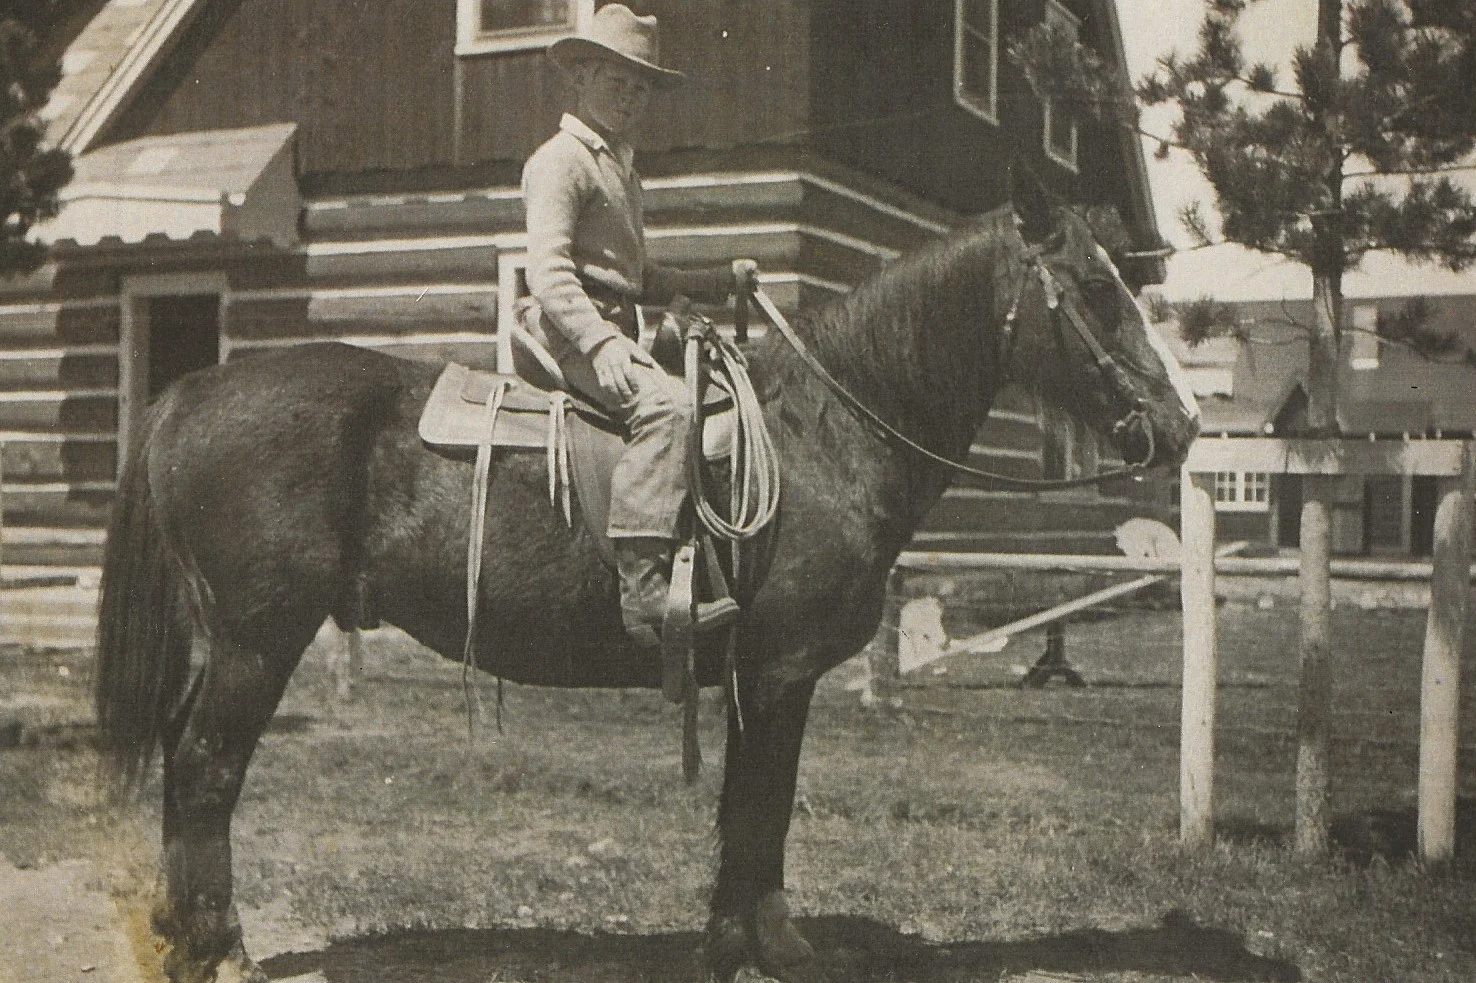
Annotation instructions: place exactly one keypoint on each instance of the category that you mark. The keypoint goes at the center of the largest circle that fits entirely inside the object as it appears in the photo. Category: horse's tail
(143, 628)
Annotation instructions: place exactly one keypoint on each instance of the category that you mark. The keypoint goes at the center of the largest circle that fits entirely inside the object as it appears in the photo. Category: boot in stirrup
(644, 564)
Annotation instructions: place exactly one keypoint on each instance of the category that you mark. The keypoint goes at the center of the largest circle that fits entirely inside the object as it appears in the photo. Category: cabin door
(171, 325)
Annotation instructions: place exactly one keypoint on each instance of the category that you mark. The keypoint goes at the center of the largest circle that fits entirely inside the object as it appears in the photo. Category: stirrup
(684, 620)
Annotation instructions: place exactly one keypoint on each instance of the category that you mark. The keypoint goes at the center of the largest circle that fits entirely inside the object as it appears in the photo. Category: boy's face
(613, 96)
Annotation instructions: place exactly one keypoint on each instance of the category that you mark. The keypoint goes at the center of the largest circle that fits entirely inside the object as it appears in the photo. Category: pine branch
(1411, 171)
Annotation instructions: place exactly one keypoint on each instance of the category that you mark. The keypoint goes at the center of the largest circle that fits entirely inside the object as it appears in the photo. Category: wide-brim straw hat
(615, 33)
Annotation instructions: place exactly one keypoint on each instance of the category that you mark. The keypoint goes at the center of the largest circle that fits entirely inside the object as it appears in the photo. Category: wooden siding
(388, 92)
(370, 86)
(882, 103)
(385, 99)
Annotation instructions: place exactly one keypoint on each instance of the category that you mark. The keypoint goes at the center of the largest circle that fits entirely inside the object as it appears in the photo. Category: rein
(1055, 300)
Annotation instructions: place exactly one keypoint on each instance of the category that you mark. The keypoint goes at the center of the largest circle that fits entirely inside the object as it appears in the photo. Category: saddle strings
(480, 481)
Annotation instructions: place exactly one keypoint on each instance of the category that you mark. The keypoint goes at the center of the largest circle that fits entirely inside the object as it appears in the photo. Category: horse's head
(1076, 333)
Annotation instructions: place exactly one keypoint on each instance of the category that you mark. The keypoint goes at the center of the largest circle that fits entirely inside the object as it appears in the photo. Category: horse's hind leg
(204, 768)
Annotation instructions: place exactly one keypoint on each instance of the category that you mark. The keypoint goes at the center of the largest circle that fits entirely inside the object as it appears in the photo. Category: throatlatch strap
(480, 481)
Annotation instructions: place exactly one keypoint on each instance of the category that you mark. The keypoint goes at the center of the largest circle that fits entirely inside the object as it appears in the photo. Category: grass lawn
(964, 831)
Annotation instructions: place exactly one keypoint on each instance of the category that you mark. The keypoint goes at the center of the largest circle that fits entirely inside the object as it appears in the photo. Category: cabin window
(1060, 122)
(484, 26)
(1365, 353)
(976, 57)
(1242, 491)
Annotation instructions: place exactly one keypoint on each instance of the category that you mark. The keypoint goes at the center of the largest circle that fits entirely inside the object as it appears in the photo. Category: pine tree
(1351, 154)
(31, 174)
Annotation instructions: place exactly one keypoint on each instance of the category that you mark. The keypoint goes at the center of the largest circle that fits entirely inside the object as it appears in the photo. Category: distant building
(1386, 390)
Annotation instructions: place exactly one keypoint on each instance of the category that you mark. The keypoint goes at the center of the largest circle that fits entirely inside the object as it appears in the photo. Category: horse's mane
(874, 335)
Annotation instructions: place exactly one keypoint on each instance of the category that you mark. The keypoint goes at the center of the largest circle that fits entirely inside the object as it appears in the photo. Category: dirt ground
(963, 831)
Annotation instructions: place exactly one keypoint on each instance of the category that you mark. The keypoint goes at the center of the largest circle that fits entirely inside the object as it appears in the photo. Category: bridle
(1058, 302)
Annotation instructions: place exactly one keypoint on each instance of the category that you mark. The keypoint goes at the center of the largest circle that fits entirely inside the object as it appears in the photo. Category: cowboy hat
(616, 34)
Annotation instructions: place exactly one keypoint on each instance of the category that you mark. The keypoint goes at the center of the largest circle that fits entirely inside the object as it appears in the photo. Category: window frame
(1057, 10)
(472, 40)
(1240, 488)
(962, 95)
(1364, 347)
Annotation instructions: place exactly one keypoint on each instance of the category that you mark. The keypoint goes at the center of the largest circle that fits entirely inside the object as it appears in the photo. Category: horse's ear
(1037, 218)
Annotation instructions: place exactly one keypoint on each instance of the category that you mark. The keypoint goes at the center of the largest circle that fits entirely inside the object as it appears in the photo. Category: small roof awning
(239, 183)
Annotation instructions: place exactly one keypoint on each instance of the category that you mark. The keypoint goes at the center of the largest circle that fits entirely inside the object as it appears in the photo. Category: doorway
(171, 325)
(1288, 495)
(184, 335)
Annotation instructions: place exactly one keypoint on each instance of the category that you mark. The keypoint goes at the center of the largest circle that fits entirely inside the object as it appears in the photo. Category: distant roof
(1243, 388)
(103, 67)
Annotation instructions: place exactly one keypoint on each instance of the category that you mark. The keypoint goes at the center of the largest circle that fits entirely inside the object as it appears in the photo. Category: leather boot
(644, 564)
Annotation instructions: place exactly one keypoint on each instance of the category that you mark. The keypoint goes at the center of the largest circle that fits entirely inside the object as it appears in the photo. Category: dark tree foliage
(31, 174)
(1348, 155)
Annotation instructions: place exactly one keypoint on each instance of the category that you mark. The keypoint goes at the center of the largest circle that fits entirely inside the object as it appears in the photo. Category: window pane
(978, 61)
(1225, 486)
(1060, 129)
(978, 14)
(1060, 121)
(509, 15)
(1257, 487)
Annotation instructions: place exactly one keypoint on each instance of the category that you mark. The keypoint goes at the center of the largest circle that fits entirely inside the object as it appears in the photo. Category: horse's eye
(1103, 297)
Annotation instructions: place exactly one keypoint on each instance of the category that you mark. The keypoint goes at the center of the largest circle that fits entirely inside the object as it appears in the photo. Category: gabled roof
(1400, 396)
(106, 64)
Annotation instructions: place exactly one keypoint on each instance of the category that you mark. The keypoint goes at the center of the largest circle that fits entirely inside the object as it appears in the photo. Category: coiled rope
(753, 461)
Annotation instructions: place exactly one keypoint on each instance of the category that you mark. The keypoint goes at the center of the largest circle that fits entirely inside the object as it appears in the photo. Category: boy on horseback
(588, 271)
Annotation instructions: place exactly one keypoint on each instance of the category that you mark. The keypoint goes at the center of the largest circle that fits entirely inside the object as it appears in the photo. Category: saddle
(582, 442)
(535, 410)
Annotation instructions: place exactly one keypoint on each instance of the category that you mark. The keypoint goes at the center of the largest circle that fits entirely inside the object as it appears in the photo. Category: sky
(1271, 30)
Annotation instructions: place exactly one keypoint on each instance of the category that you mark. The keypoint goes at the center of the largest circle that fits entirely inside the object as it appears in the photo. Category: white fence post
(1201, 659)
(1450, 591)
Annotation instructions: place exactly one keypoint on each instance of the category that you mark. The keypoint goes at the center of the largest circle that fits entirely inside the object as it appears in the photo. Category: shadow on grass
(852, 949)
(1385, 834)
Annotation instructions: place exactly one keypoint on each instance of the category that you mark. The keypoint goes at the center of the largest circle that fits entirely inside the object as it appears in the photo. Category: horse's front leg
(750, 921)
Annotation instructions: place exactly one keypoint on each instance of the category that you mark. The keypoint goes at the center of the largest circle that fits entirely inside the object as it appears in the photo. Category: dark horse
(266, 495)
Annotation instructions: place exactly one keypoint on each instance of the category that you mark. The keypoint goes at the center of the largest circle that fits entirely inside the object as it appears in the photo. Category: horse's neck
(916, 347)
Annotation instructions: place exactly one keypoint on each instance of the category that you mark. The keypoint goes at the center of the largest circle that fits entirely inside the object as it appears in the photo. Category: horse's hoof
(783, 952)
(728, 948)
(237, 967)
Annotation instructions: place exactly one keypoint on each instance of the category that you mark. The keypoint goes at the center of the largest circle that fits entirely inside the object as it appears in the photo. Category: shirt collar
(586, 135)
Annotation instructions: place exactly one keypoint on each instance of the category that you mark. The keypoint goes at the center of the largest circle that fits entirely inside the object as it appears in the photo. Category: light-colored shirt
(585, 221)
(586, 224)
